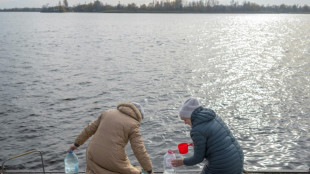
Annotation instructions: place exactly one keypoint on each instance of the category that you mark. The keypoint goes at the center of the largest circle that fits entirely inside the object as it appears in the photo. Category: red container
(183, 148)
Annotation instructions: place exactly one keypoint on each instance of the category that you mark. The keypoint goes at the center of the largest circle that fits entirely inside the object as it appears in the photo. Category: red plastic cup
(183, 148)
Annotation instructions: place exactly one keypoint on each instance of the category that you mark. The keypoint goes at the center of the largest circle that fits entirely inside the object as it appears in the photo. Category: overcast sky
(40, 3)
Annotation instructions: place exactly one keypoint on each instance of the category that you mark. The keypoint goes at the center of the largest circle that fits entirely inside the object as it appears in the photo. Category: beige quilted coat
(110, 133)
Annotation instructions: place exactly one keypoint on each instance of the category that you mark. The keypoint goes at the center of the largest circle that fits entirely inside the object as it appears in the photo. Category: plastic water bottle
(71, 163)
(168, 168)
(143, 171)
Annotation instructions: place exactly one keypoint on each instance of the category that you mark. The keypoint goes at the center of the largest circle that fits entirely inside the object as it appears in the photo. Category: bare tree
(66, 3)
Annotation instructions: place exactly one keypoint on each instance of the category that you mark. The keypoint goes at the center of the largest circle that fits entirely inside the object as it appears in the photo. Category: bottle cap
(170, 151)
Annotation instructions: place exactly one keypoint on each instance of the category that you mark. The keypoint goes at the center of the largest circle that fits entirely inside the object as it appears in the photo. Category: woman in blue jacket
(212, 140)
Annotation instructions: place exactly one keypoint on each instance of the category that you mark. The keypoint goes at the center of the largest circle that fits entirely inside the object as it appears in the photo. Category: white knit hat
(188, 107)
(140, 108)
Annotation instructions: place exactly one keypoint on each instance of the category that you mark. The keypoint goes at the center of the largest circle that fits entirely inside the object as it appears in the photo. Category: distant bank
(177, 6)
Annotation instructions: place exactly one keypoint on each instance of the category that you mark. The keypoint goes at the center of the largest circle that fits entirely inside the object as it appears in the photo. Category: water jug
(143, 171)
(71, 163)
(168, 168)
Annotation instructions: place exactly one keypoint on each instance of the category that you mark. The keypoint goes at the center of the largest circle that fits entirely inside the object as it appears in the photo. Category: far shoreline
(156, 12)
(169, 7)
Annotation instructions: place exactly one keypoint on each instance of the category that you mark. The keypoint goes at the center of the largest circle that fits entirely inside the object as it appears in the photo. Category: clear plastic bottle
(168, 168)
(143, 171)
(71, 163)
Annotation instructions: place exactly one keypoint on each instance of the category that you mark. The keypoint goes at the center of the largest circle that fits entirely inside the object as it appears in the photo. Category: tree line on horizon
(176, 6)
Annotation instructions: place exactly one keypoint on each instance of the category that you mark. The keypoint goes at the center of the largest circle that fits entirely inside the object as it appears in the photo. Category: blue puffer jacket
(214, 141)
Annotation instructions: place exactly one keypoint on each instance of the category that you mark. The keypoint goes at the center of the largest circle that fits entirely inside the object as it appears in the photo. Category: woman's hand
(177, 162)
(73, 147)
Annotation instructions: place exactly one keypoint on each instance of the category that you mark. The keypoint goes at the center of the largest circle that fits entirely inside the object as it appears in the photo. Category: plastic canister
(71, 163)
(168, 157)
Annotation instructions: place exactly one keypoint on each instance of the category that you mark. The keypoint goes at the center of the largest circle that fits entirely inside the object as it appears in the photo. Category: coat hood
(130, 110)
(201, 115)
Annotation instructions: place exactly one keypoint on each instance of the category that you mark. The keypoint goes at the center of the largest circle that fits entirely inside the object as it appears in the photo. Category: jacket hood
(130, 110)
(201, 115)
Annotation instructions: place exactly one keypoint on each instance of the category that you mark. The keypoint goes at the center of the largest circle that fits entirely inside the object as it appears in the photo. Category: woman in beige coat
(110, 133)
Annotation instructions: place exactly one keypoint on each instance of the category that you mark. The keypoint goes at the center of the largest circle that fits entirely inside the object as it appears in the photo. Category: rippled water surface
(60, 71)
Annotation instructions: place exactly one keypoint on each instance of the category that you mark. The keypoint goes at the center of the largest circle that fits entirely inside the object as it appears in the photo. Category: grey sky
(40, 3)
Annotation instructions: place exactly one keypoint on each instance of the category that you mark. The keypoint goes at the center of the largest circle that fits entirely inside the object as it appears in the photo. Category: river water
(60, 71)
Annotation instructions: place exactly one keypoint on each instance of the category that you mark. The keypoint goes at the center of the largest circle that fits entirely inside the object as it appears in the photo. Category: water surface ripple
(60, 71)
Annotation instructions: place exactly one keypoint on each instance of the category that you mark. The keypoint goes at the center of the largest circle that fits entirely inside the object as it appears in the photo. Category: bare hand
(73, 147)
(177, 162)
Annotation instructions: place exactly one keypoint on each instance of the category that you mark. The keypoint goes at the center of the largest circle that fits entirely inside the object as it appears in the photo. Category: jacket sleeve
(199, 149)
(139, 150)
(88, 131)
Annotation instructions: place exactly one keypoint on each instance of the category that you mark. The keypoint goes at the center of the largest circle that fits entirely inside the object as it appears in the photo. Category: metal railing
(23, 154)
